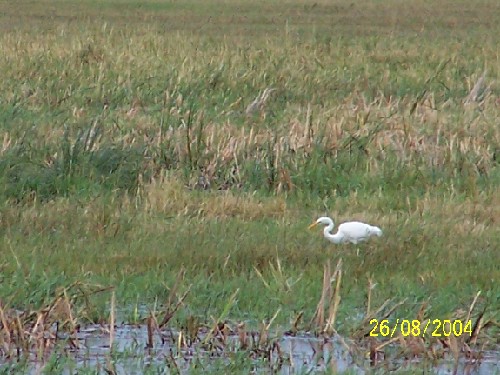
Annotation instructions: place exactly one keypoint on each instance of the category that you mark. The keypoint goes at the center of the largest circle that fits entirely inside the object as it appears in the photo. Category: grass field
(138, 151)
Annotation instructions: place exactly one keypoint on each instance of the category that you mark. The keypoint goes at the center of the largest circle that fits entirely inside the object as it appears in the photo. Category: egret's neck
(335, 238)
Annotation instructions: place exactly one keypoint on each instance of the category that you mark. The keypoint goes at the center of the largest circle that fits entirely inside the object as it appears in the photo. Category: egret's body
(352, 231)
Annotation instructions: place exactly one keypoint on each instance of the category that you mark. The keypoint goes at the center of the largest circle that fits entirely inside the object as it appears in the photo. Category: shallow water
(287, 355)
(302, 353)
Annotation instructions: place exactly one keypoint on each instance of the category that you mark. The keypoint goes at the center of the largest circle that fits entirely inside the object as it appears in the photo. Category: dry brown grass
(33, 335)
(168, 196)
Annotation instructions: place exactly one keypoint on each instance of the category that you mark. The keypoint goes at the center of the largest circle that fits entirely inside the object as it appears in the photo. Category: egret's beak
(312, 225)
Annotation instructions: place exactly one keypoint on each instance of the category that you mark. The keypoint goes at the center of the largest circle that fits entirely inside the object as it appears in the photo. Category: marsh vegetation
(171, 154)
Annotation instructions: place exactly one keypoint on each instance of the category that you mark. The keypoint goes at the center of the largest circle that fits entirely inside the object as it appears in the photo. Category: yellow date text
(416, 328)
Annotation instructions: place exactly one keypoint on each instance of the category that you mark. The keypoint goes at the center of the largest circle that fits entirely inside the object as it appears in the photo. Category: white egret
(352, 231)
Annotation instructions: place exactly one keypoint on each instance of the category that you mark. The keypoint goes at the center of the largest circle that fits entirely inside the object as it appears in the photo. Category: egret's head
(322, 220)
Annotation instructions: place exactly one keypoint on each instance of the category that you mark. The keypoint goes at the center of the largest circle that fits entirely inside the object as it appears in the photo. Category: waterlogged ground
(287, 354)
(141, 349)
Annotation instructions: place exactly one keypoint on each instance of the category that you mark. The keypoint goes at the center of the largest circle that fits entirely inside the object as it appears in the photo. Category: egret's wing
(355, 231)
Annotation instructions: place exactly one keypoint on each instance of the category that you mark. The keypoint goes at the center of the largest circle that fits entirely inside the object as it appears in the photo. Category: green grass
(111, 112)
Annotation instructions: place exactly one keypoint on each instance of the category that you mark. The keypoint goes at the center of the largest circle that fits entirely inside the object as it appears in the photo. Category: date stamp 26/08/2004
(416, 328)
